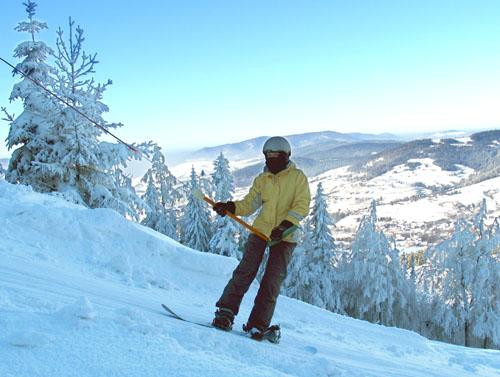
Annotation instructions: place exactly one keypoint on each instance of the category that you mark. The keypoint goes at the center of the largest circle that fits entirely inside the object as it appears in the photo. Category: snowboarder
(282, 194)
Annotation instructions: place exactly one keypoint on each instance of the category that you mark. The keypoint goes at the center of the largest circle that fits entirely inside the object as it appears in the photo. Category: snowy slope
(80, 294)
(407, 208)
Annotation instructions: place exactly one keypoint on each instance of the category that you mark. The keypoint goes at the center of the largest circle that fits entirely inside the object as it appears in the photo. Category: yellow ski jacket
(282, 196)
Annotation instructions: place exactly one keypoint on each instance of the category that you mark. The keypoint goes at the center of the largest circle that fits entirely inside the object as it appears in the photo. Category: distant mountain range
(314, 152)
(318, 159)
(480, 152)
(374, 156)
(301, 144)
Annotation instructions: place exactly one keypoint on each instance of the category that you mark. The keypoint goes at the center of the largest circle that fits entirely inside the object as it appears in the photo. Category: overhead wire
(129, 146)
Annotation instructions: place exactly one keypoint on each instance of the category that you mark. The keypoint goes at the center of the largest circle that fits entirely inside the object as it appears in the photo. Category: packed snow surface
(80, 295)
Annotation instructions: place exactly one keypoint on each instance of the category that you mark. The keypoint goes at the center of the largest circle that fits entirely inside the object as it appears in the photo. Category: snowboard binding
(272, 334)
(223, 319)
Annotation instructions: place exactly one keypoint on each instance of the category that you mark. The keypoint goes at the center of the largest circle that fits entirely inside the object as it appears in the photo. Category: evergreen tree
(297, 279)
(376, 288)
(413, 321)
(485, 300)
(161, 197)
(196, 229)
(130, 204)
(88, 169)
(28, 132)
(314, 280)
(465, 276)
(205, 184)
(224, 240)
(60, 150)
(8, 118)
(222, 180)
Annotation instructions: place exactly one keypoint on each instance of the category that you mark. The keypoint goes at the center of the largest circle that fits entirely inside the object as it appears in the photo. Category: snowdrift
(80, 294)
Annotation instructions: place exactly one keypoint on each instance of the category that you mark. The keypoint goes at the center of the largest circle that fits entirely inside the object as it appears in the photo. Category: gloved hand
(221, 208)
(277, 233)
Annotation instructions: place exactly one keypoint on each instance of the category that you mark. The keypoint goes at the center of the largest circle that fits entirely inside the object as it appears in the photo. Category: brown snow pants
(276, 270)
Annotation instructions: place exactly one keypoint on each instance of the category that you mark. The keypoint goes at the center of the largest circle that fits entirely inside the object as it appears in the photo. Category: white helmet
(277, 144)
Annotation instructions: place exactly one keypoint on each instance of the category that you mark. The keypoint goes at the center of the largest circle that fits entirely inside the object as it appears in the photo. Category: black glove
(221, 208)
(277, 232)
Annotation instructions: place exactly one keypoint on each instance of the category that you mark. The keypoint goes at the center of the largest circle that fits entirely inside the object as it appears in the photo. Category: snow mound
(100, 240)
(29, 339)
(81, 309)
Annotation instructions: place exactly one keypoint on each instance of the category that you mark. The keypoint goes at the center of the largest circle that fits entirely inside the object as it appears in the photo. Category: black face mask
(277, 164)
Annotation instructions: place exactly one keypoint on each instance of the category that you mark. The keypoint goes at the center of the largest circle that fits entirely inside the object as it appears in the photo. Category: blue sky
(200, 73)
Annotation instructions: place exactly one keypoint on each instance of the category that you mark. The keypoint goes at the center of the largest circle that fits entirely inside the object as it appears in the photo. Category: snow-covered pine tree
(222, 179)
(59, 150)
(84, 168)
(205, 184)
(447, 258)
(413, 321)
(485, 305)
(315, 277)
(30, 131)
(375, 288)
(466, 275)
(2, 172)
(8, 118)
(132, 205)
(161, 196)
(428, 299)
(297, 278)
(196, 228)
(224, 240)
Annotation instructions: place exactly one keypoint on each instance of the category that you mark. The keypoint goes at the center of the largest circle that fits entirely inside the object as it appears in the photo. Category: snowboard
(173, 314)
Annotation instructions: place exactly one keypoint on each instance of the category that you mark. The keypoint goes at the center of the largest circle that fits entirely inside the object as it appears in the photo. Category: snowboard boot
(223, 319)
(272, 334)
